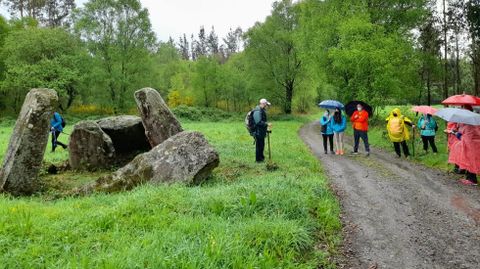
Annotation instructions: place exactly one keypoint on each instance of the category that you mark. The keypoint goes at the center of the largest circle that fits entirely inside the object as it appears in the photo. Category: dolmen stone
(28, 142)
(108, 142)
(159, 122)
(184, 158)
(90, 147)
(127, 134)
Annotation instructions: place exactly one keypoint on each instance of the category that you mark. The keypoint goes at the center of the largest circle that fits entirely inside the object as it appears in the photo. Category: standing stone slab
(159, 122)
(29, 139)
(186, 158)
(90, 147)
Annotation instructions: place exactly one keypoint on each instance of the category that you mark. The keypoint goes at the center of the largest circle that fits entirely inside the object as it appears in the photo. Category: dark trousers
(364, 136)
(259, 148)
(431, 140)
(404, 145)
(55, 141)
(472, 177)
(327, 138)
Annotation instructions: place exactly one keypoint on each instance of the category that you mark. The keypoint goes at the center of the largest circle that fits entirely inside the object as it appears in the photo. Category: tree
(52, 13)
(184, 47)
(456, 17)
(41, 57)
(212, 43)
(273, 52)
(473, 20)
(204, 82)
(233, 42)
(200, 45)
(430, 45)
(119, 35)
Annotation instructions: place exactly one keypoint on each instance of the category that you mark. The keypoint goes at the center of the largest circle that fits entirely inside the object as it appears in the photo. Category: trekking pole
(269, 150)
(413, 142)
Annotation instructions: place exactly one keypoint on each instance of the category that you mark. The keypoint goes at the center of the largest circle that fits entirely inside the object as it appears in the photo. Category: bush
(204, 114)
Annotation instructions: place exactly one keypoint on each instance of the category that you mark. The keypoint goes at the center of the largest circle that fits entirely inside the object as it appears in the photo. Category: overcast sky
(175, 17)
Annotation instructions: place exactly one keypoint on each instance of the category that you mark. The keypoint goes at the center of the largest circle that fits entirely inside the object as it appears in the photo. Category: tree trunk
(288, 97)
(457, 65)
(445, 85)
(429, 92)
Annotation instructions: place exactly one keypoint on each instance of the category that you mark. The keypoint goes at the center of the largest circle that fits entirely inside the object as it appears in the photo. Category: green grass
(243, 217)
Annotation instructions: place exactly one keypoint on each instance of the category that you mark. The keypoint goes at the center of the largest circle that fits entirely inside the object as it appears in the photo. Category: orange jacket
(359, 120)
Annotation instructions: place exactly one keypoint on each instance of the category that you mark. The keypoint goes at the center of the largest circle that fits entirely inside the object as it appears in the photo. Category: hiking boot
(342, 152)
(367, 154)
(354, 152)
(326, 152)
(467, 182)
(333, 152)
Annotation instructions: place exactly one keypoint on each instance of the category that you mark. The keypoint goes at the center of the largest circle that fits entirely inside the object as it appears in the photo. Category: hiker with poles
(57, 123)
(260, 128)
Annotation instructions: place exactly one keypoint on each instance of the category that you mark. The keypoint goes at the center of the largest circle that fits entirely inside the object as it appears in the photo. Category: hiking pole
(413, 142)
(269, 150)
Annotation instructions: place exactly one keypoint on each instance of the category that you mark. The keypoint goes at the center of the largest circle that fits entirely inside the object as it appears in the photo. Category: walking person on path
(398, 131)
(428, 129)
(57, 123)
(359, 121)
(339, 124)
(327, 131)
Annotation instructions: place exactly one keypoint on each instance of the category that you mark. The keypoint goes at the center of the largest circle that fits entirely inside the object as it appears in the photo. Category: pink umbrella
(462, 99)
(425, 109)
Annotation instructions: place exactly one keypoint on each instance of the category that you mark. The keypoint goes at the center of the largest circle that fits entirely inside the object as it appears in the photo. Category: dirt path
(398, 214)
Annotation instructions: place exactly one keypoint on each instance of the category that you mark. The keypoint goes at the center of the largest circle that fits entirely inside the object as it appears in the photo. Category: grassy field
(243, 217)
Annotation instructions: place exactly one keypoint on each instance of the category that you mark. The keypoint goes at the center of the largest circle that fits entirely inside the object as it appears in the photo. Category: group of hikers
(463, 139)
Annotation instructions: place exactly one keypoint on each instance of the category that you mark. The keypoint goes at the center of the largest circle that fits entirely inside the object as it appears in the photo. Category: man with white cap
(261, 128)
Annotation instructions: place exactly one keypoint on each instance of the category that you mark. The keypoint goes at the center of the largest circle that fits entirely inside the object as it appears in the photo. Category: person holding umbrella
(464, 152)
(327, 131)
(398, 131)
(428, 128)
(333, 127)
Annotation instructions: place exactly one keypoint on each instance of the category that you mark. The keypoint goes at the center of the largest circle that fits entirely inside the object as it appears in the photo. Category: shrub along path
(398, 214)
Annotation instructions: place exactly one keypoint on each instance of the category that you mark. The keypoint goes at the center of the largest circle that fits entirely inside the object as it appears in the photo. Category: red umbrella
(425, 109)
(463, 99)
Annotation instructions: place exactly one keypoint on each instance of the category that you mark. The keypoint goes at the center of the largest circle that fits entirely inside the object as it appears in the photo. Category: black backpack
(64, 123)
(250, 122)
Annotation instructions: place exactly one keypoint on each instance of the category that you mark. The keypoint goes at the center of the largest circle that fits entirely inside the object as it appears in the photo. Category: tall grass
(243, 217)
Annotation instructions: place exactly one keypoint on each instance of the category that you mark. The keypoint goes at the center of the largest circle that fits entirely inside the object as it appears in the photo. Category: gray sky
(175, 17)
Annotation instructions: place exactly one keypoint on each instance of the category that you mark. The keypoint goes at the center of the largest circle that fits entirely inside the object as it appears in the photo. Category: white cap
(264, 101)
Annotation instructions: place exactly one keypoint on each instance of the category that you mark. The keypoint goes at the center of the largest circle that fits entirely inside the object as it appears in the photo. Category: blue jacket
(430, 126)
(56, 122)
(324, 121)
(339, 127)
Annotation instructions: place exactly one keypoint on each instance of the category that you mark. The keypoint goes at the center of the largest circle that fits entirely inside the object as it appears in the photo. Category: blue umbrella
(459, 116)
(331, 104)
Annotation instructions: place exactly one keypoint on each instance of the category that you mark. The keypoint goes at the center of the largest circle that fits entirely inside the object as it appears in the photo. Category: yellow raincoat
(396, 127)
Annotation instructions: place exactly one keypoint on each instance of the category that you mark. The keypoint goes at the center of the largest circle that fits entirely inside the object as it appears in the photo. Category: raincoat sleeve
(324, 120)
(408, 121)
(344, 123)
